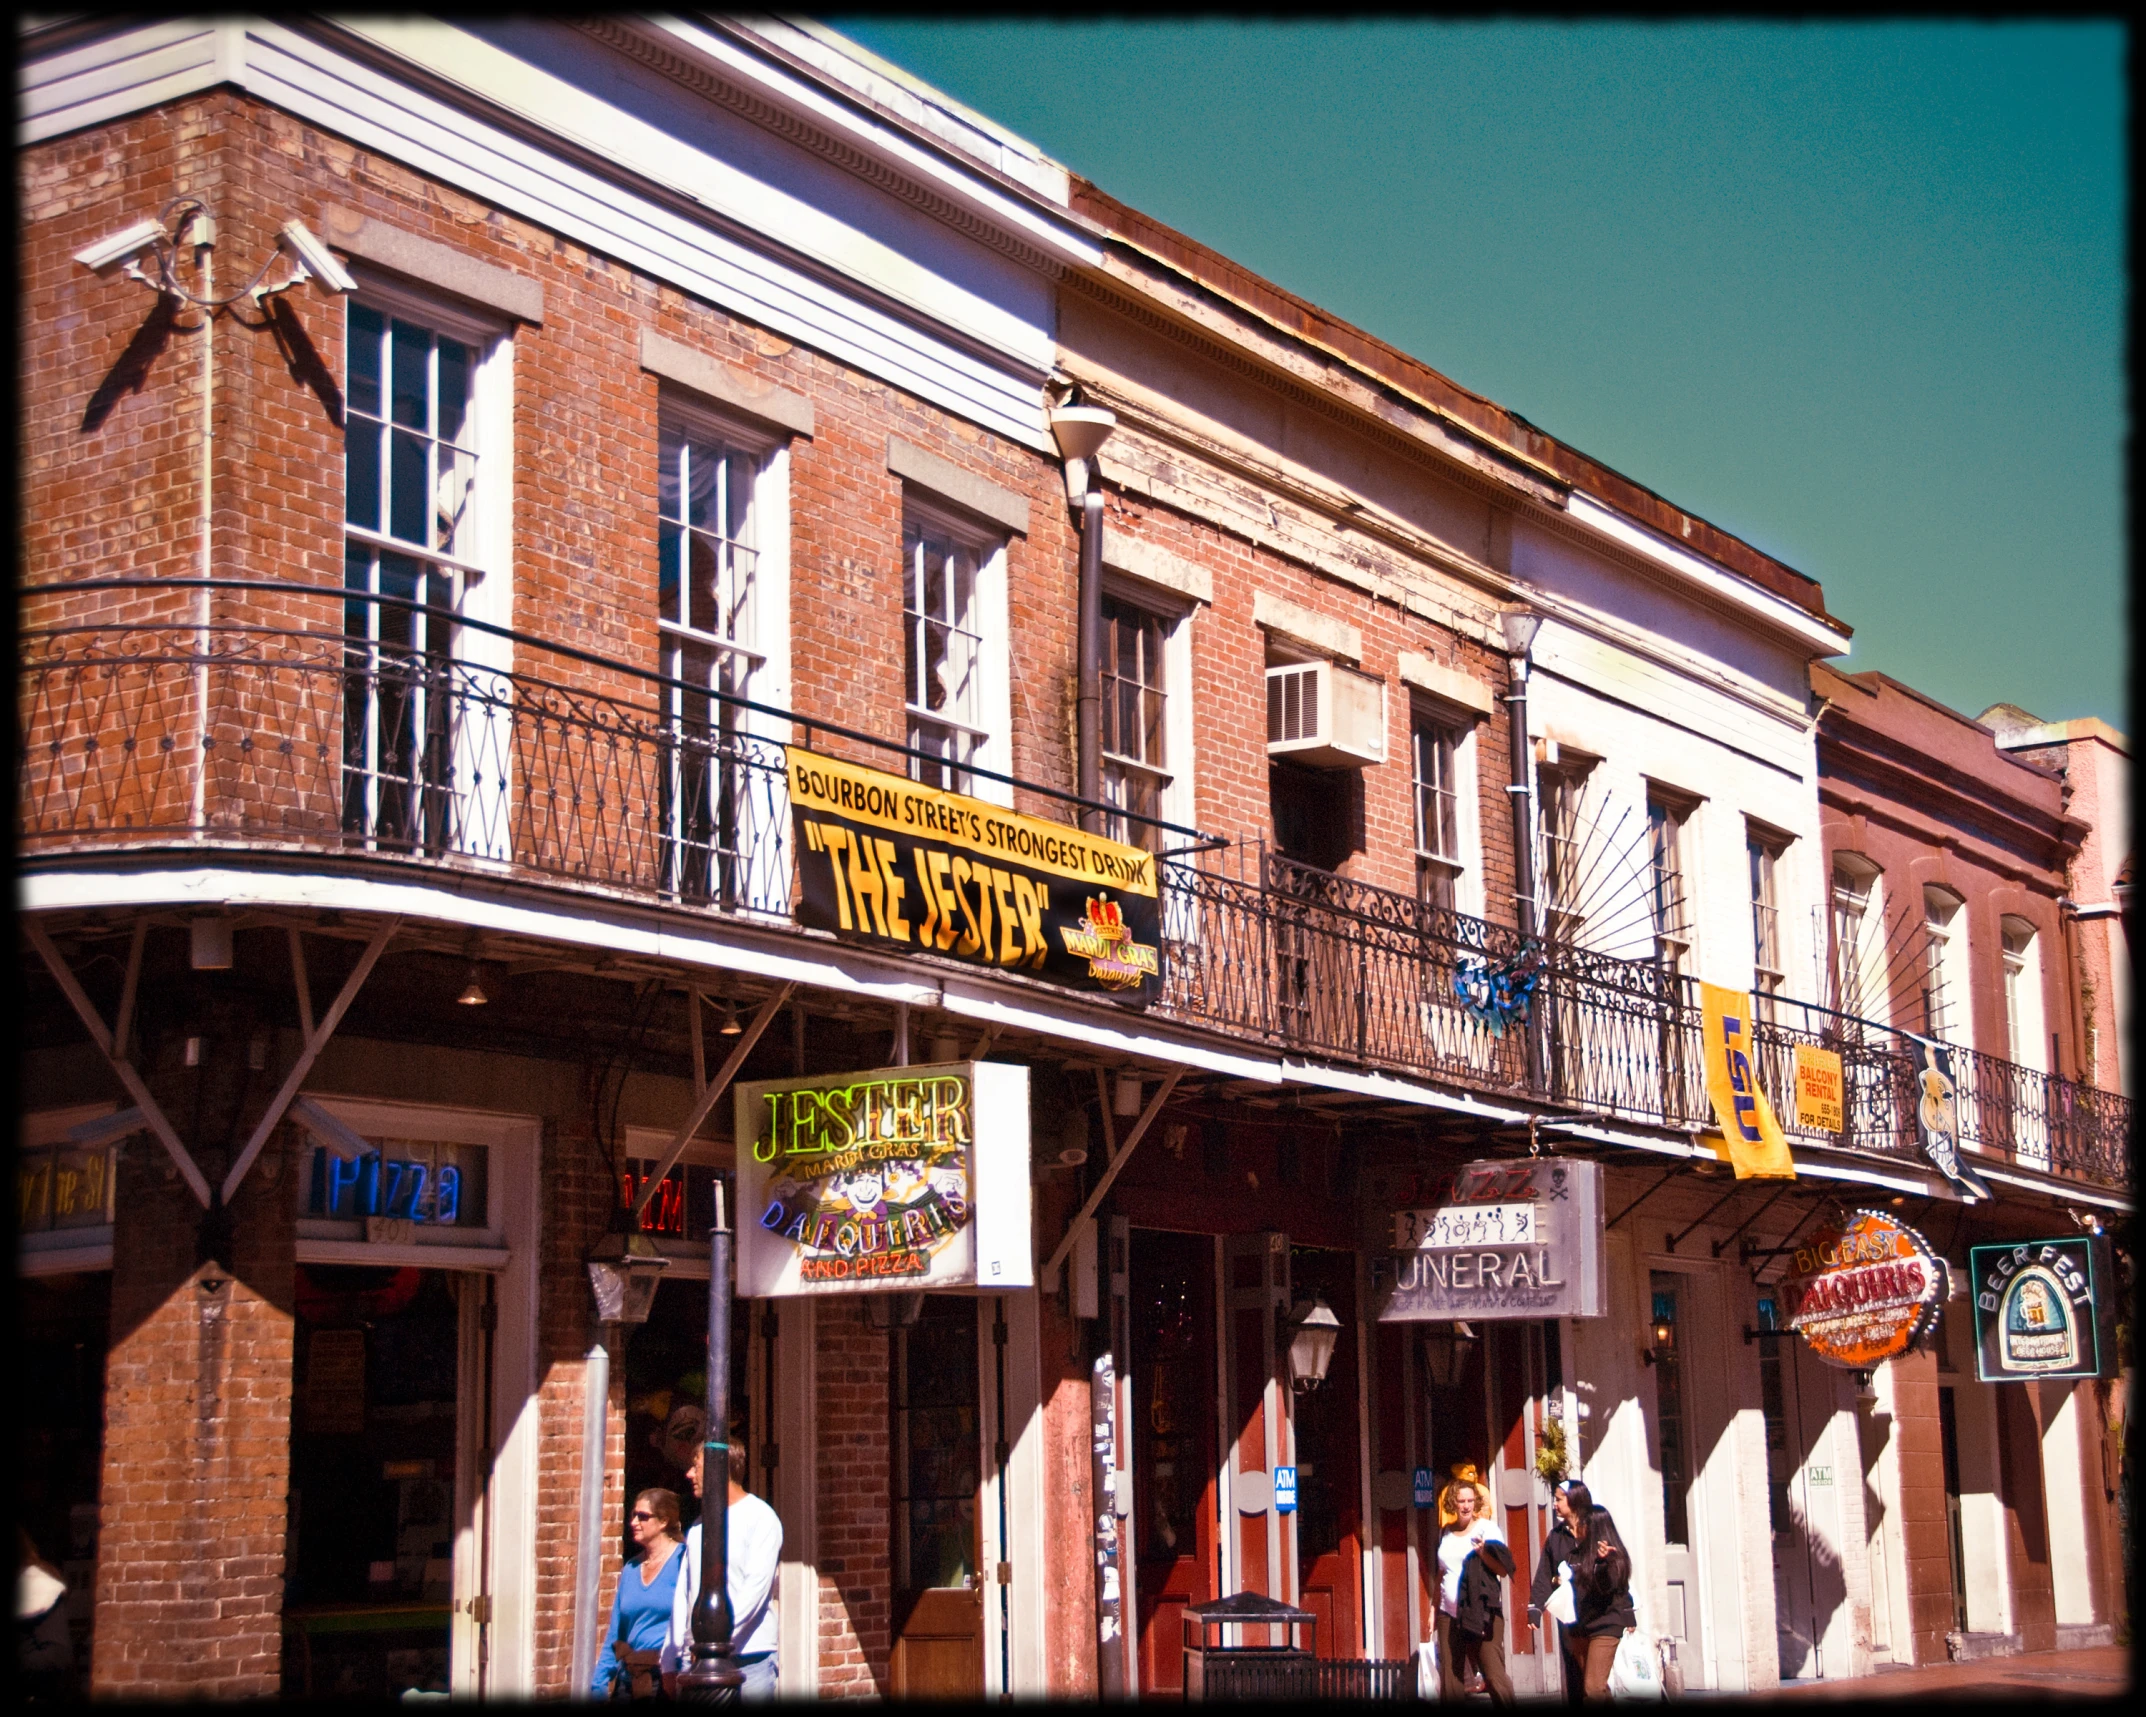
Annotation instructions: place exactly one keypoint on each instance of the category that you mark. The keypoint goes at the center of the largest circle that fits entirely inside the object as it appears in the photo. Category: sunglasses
(642, 1514)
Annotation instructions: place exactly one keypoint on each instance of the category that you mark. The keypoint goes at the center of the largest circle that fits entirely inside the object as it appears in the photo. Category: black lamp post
(714, 1675)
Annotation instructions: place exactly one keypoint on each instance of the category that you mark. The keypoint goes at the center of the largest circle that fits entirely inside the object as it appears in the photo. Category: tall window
(1854, 895)
(2026, 1037)
(1764, 853)
(1667, 903)
(1436, 749)
(1561, 786)
(1943, 1012)
(942, 652)
(1135, 749)
(1670, 1416)
(412, 471)
(707, 586)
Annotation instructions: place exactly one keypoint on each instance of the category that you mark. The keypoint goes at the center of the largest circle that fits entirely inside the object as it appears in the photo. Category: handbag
(1636, 1671)
(640, 1674)
(1563, 1605)
(1427, 1669)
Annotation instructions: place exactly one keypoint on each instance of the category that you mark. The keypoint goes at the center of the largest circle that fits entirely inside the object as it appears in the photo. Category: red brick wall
(854, 1479)
(192, 1513)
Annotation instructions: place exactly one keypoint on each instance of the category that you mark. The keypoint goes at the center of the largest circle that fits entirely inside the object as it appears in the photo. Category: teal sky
(1853, 292)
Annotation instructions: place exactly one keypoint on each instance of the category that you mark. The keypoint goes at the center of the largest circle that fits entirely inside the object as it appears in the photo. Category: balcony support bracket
(114, 1051)
(711, 1093)
(316, 1040)
(1117, 1163)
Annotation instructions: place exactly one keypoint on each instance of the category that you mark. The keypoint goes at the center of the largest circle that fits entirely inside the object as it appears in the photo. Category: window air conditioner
(1325, 715)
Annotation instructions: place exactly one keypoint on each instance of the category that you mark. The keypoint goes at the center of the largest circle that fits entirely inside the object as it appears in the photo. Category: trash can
(1214, 1670)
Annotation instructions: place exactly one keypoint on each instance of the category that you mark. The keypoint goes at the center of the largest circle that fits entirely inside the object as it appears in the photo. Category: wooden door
(1259, 1552)
(936, 1448)
(1172, 1383)
(1328, 1428)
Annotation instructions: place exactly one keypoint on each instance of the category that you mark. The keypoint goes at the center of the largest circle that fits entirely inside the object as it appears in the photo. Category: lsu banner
(1756, 1144)
(1937, 1118)
(889, 861)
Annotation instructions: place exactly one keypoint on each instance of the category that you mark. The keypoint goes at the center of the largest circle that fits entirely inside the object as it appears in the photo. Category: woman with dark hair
(641, 1612)
(1585, 1551)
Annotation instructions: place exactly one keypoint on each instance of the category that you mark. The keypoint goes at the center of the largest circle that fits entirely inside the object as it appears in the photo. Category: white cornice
(1702, 574)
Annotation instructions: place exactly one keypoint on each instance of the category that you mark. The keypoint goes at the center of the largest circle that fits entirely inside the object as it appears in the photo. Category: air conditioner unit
(1325, 715)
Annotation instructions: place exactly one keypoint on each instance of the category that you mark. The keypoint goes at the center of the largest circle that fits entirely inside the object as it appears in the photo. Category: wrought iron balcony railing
(392, 731)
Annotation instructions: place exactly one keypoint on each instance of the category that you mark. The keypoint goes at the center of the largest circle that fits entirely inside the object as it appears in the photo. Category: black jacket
(1481, 1600)
(1598, 1614)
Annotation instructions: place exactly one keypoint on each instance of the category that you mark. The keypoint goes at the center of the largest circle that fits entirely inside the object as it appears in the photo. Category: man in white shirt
(1459, 1646)
(755, 1556)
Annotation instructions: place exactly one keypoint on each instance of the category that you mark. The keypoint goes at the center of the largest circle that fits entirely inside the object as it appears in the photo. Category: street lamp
(623, 1272)
(1315, 1330)
(714, 1675)
(1445, 1353)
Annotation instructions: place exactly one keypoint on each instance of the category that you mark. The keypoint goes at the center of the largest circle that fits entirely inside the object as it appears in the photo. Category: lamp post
(714, 1675)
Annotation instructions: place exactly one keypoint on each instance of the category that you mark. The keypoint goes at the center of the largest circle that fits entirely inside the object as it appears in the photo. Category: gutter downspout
(1520, 627)
(588, 1571)
(1080, 431)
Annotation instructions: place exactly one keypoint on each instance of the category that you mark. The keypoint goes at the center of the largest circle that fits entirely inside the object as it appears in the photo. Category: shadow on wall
(1828, 1590)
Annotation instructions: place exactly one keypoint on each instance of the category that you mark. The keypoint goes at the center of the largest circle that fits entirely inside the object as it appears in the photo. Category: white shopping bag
(1636, 1671)
(1563, 1606)
(1427, 1669)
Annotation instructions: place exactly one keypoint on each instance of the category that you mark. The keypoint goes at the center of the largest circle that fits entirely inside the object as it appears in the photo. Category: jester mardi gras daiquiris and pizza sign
(1862, 1290)
(888, 861)
(899, 1178)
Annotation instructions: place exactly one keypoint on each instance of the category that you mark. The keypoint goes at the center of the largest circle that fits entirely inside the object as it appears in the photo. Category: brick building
(425, 611)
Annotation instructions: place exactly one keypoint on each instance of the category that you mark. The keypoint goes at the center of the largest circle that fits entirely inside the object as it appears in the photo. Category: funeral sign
(891, 862)
(894, 1179)
(1515, 1238)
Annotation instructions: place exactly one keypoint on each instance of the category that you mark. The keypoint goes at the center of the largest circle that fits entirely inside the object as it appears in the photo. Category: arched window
(2026, 1031)
(1858, 945)
(1946, 1013)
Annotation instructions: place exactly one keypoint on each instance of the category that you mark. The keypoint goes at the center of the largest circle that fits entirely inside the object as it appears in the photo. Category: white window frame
(994, 749)
(1173, 613)
(1856, 897)
(1946, 969)
(1466, 860)
(2025, 1015)
(766, 456)
(482, 747)
(1771, 846)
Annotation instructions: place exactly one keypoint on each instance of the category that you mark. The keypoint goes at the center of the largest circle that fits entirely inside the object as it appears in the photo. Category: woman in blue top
(641, 1613)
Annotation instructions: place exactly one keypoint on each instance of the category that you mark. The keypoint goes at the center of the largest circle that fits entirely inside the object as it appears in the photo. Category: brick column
(196, 1484)
(1925, 1538)
(856, 1590)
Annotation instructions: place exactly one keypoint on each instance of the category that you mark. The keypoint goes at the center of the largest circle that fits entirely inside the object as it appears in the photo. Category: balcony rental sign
(888, 861)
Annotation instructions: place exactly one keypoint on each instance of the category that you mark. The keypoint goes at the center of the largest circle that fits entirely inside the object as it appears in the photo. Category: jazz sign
(1861, 1291)
(897, 1179)
(1508, 1239)
(887, 861)
(2035, 1310)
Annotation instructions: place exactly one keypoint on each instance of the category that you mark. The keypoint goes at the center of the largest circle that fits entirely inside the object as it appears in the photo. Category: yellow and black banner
(1757, 1146)
(888, 861)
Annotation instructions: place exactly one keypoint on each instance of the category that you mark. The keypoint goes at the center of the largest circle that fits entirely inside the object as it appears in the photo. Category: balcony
(374, 730)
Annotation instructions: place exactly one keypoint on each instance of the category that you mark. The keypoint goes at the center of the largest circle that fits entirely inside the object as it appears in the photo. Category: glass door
(1173, 1439)
(937, 1550)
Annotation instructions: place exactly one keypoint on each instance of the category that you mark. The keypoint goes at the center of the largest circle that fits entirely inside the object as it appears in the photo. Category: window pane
(363, 361)
(412, 360)
(456, 361)
(406, 487)
(700, 477)
(361, 459)
(670, 586)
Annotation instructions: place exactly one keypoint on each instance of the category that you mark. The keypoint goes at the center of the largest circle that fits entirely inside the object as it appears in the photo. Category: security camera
(314, 258)
(123, 246)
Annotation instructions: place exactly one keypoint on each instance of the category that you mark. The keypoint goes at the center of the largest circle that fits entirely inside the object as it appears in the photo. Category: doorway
(62, 1335)
(1676, 1448)
(1173, 1442)
(381, 1482)
(935, 1453)
(1327, 1431)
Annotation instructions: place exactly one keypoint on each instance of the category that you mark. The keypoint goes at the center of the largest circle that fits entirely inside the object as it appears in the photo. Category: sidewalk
(2099, 1672)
